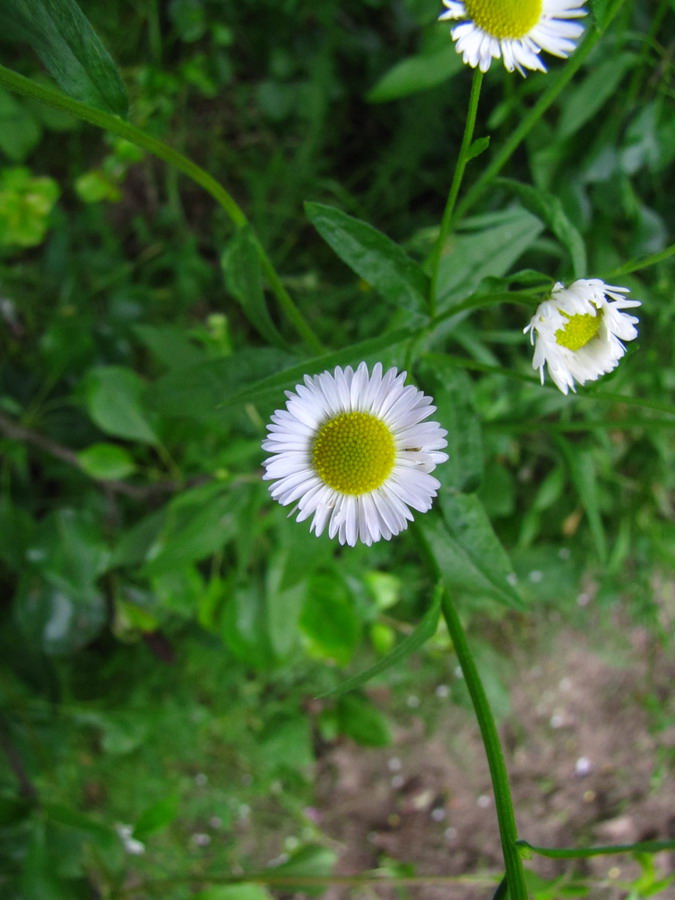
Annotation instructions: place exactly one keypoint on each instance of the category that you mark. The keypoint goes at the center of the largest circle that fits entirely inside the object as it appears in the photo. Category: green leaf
(284, 606)
(156, 818)
(234, 892)
(417, 73)
(203, 391)
(16, 529)
(20, 131)
(63, 38)
(452, 391)
(581, 465)
(362, 722)
(106, 461)
(466, 551)
(490, 245)
(550, 210)
(244, 626)
(68, 551)
(310, 861)
(25, 205)
(198, 522)
(134, 544)
(328, 619)
(602, 12)
(424, 631)
(584, 101)
(171, 345)
(373, 256)
(240, 263)
(286, 744)
(115, 401)
(479, 146)
(59, 622)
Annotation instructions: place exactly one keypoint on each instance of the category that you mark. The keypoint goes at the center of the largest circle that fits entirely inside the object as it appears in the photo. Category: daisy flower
(514, 30)
(352, 450)
(579, 331)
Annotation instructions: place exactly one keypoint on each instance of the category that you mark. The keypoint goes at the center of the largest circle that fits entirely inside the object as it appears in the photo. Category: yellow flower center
(579, 330)
(504, 18)
(353, 453)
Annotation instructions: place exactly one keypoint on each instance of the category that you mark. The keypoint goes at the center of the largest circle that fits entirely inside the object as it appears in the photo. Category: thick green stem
(460, 166)
(108, 122)
(515, 876)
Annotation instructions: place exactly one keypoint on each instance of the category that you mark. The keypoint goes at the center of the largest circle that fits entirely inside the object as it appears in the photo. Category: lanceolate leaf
(425, 630)
(70, 49)
(549, 209)
(583, 473)
(254, 376)
(241, 267)
(466, 552)
(488, 246)
(373, 256)
(452, 391)
(417, 73)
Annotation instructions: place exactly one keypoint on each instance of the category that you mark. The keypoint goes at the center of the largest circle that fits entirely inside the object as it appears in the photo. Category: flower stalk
(515, 875)
(462, 159)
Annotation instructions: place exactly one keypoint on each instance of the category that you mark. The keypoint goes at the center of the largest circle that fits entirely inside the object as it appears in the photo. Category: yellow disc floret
(504, 19)
(353, 453)
(579, 330)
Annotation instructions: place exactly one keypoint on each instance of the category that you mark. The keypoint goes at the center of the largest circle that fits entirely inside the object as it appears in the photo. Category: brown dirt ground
(590, 747)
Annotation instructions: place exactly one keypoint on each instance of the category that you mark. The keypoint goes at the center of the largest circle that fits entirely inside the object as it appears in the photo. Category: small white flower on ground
(579, 331)
(515, 31)
(352, 450)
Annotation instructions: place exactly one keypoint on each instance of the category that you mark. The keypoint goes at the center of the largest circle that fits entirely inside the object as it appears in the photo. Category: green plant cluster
(165, 629)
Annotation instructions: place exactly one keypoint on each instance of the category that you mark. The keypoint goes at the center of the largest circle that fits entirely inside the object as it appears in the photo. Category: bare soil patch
(590, 746)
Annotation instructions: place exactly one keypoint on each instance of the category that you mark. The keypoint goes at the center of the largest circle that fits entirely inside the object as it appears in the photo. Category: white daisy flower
(579, 331)
(352, 450)
(514, 30)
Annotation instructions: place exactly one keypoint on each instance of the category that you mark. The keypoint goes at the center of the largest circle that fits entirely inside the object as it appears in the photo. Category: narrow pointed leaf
(243, 276)
(471, 558)
(549, 209)
(425, 630)
(417, 73)
(61, 35)
(373, 256)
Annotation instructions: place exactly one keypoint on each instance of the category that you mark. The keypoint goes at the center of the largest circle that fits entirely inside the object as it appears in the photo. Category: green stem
(527, 124)
(109, 122)
(460, 166)
(636, 265)
(515, 875)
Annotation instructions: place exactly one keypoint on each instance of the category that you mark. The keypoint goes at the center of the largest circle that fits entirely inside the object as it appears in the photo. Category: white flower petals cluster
(602, 352)
(379, 513)
(480, 44)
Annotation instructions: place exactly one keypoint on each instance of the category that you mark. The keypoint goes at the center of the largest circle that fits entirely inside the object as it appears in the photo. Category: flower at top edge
(352, 450)
(515, 31)
(579, 331)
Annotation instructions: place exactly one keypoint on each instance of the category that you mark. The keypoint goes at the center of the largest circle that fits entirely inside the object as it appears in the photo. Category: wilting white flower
(515, 31)
(352, 450)
(579, 331)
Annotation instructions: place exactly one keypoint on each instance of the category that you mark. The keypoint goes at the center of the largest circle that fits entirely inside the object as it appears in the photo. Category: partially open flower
(352, 450)
(515, 31)
(579, 331)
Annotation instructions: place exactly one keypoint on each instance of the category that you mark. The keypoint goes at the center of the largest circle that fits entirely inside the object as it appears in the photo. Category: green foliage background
(164, 626)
